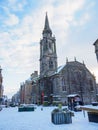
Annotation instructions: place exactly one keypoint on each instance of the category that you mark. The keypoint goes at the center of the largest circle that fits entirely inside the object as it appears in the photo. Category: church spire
(46, 26)
(48, 56)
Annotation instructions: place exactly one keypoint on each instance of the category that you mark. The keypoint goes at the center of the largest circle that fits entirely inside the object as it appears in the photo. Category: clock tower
(48, 56)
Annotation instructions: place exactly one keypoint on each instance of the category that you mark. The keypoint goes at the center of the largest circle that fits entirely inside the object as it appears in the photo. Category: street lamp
(96, 48)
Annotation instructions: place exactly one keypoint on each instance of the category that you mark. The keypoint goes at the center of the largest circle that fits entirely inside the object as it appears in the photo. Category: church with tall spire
(48, 56)
(48, 59)
(56, 84)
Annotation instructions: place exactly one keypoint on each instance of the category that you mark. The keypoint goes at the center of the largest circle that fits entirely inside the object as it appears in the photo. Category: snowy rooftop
(60, 68)
(11, 119)
(72, 95)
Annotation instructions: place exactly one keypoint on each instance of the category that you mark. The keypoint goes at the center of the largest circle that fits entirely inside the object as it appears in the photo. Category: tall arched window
(50, 64)
(63, 84)
(45, 47)
(91, 85)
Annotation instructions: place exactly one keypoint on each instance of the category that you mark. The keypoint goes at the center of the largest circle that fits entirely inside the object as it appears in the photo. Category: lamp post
(96, 48)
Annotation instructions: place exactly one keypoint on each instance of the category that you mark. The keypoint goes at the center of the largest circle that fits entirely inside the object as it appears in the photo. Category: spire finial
(75, 58)
(83, 62)
(66, 60)
(46, 26)
(46, 23)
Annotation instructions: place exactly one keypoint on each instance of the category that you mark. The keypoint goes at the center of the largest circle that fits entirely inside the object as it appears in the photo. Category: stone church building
(57, 83)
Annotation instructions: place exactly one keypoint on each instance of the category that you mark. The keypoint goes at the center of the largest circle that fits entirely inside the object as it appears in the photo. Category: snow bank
(11, 119)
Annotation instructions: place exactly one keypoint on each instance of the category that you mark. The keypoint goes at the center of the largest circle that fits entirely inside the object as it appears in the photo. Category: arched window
(50, 46)
(45, 47)
(63, 84)
(50, 64)
(91, 85)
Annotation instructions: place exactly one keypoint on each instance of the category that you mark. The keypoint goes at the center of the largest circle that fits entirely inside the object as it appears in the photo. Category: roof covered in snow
(11, 119)
(73, 95)
(59, 69)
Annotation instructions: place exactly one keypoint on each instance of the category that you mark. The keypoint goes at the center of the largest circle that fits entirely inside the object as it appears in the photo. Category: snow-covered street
(11, 119)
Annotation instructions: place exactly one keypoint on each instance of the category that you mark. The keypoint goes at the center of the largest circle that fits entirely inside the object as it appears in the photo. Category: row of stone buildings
(29, 91)
(55, 84)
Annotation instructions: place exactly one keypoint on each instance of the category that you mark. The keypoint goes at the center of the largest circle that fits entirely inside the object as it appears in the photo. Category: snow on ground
(11, 119)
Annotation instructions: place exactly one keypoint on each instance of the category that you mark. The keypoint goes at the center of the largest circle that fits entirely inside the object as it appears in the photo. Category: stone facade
(22, 93)
(55, 84)
(29, 92)
(48, 56)
(74, 78)
(35, 87)
(48, 59)
(59, 82)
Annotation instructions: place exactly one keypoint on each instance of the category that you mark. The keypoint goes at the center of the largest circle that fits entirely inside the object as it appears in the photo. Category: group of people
(73, 102)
